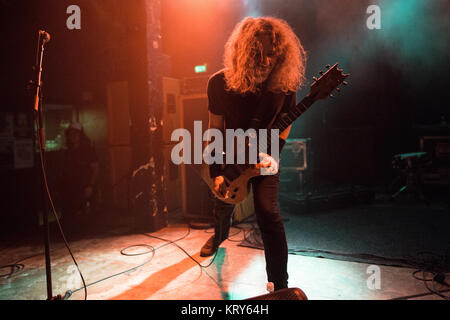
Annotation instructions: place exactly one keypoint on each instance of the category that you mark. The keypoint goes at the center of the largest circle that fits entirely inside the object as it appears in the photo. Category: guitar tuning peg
(328, 66)
(338, 89)
(345, 83)
(314, 78)
(321, 72)
(331, 95)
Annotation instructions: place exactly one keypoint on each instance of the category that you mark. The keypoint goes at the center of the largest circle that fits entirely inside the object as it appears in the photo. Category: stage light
(201, 68)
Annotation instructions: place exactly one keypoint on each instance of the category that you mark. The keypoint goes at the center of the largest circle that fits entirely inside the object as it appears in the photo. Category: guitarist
(264, 67)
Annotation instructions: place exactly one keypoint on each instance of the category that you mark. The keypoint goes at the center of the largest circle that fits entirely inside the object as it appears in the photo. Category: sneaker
(208, 248)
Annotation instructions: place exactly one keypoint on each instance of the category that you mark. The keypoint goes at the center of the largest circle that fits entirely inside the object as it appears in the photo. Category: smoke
(415, 31)
(252, 8)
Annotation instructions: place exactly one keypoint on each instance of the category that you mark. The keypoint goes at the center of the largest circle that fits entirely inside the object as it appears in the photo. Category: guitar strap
(278, 100)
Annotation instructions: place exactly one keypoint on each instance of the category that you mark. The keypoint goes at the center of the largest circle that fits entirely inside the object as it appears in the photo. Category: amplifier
(296, 153)
(197, 202)
(295, 160)
(195, 85)
(438, 147)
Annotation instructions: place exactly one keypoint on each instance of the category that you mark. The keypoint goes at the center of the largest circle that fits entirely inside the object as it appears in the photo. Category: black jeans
(270, 223)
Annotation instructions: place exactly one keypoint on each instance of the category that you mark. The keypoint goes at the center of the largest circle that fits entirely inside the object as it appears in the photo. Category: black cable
(434, 290)
(44, 175)
(122, 252)
(182, 249)
(438, 268)
(232, 235)
(69, 293)
(235, 234)
(13, 269)
(17, 266)
(417, 295)
(250, 231)
(192, 258)
(175, 244)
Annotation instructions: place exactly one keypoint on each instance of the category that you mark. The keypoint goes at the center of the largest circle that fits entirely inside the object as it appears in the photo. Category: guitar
(237, 176)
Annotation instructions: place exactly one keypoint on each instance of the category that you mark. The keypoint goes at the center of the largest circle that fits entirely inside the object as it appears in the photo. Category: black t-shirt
(239, 109)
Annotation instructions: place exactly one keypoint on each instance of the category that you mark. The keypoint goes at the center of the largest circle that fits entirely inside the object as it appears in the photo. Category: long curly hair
(243, 53)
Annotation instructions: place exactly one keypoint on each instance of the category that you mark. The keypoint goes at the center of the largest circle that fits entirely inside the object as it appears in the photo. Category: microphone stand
(42, 39)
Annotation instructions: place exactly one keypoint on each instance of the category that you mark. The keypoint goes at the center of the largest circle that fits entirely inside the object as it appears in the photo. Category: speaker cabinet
(296, 166)
(171, 107)
(438, 149)
(172, 181)
(171, 118)
(120, 153)
(283, 294)
(196, 198)
(120, 167)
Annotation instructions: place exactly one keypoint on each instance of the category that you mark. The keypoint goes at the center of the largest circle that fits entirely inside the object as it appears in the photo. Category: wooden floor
(168, 273)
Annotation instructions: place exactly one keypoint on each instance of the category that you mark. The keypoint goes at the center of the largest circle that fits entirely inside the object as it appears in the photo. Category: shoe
(208, 248)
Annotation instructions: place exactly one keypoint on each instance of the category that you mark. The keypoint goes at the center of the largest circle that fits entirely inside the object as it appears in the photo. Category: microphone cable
(44, 176)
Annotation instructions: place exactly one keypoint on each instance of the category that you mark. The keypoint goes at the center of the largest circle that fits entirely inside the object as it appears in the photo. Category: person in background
(78, 185)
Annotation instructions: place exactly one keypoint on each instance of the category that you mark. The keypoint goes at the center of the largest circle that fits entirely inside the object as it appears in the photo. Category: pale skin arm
(217, 122)
(267, 162)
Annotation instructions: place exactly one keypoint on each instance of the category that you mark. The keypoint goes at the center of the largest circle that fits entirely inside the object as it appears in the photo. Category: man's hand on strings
(268, 165)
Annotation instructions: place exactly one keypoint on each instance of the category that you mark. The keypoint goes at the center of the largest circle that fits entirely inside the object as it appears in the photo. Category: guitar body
(237, 189)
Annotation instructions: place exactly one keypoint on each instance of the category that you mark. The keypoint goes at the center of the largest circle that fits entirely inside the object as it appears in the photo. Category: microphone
(45, 36)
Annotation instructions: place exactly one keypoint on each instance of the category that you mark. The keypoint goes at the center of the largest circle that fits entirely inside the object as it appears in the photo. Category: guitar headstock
(328, 82)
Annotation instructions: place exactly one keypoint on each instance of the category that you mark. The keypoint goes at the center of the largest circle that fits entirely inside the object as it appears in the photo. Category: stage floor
(170, 274)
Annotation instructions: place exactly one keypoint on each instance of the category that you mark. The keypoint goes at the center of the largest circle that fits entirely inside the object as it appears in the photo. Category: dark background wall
(398, 80)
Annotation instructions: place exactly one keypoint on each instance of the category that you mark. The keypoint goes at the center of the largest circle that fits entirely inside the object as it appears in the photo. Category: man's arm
(216, 122)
